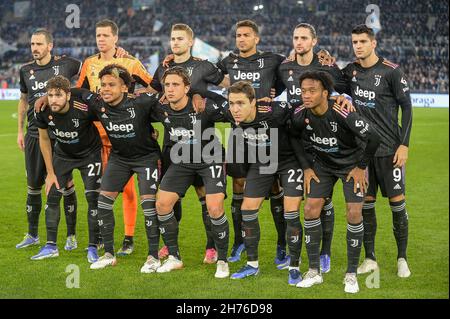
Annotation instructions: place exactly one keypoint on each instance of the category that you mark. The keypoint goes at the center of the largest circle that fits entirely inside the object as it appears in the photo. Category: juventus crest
(56, 69)
(76, 123)
(132, 113)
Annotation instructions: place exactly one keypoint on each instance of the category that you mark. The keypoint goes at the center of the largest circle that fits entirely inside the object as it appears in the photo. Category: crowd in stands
(413, 34)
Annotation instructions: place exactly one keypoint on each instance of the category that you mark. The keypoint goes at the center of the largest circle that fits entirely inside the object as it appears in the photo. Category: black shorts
(289, 173)
(34, 163)
(90, 168)
(383, 174)
(119, 171)
(166, 162)
(237, 170)
(179, 177)
(328, 177)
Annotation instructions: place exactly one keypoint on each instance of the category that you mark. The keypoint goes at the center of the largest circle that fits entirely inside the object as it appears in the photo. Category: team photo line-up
(336, 124)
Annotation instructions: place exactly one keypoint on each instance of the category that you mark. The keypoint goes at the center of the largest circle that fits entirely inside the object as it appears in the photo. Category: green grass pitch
(427, 204)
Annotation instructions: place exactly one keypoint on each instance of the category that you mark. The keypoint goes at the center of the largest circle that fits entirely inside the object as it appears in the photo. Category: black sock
(400, 221)
(251, 232)
(221, 233)
(92, 216)
(207, 224)
(52, 215)
(178, 210)
(151, 226)
(34, 205)
(355, 236)
(313, 237)
(70, 209)
(168, 226)
(277, 209)
(327, 220)
(294, 235)
(236, 204)
(370, 228)
(106, 222)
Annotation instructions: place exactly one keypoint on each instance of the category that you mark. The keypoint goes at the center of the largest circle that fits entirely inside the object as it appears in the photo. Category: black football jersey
(33, 81)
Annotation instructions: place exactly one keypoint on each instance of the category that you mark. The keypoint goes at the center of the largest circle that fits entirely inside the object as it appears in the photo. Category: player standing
(107, 36)
(33, 78)
(378, 88)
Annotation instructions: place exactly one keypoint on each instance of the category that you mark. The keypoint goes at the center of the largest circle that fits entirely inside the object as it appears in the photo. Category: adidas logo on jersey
(308, 127)
(397, 186)
(219, 184)
(235, 66)
(104, 116)
(153, 186)
(299, 187)
(167, 120)
(51, 123)
(32, 77)
(290, 79)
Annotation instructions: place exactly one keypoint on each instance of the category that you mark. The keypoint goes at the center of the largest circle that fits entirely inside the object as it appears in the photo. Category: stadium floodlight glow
(261, 7)
(300, 2)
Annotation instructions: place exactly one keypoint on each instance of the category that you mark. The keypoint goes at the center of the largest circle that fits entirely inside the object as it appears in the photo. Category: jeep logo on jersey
(253, 136)
(119, 127)
(132, 113)
(71, 135)
(182, 132)
(364, 93)
(295, 91)
(76, 123)
(252, 76)
(39, 85)
(261, 63)
(332, 141)
(56, 69)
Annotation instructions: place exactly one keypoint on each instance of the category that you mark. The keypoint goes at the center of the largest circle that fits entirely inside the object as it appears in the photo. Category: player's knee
(200, 190)
(396, 198)
(163, 205)
(215, 210)
(312, 209)
(238, 185)
(354, 214)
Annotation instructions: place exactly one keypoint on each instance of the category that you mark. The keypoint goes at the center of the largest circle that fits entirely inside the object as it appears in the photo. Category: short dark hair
(58, 82)
(108, 23)
(45, 32)
(362, 28)
(177, 70)
(309, 27)
(117, 71)
(244, 87)
(248, 23)
(322, 77)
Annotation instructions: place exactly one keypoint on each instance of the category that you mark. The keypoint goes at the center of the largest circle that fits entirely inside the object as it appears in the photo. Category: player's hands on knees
(121, 52)
(40, 104)
(309, 175)
(199, 103)
(359, 179)
(167, 60)
(21, 141)
(344, 103)
(49, 181)
(325, 57)
(401, 156)
(155, 134)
